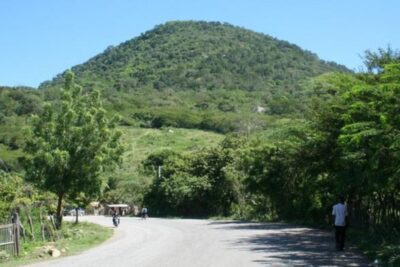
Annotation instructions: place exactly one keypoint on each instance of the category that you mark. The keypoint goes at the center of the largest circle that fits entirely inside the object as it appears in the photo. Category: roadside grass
(84, 235)
(74, 238)
(378, 245)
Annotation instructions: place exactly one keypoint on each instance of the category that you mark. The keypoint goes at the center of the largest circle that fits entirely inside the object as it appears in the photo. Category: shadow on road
(287, 245)
(242, 225)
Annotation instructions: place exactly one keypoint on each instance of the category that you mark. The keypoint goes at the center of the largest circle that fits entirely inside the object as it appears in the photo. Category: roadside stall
(121, 209)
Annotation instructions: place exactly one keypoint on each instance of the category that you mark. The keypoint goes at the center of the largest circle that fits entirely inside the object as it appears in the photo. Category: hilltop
(183, 73)
(199, 55)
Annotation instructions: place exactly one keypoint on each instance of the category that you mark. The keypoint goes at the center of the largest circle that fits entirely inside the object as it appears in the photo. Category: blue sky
(39, 39)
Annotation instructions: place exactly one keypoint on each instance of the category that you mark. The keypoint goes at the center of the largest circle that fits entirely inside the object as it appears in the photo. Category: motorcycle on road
(116, 220)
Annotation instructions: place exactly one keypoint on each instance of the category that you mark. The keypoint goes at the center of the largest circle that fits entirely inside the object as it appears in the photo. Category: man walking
(339, 213)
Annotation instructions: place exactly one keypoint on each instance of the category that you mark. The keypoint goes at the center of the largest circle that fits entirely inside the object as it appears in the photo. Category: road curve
(187, 243)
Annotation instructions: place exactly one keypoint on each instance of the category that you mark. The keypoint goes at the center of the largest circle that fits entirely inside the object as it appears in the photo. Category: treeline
(19, 101)
(349, 145)
(209, 121)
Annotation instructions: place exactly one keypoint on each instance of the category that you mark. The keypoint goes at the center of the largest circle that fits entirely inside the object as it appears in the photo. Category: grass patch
(74, 238)
(81, 236)
(141, 142)
(10, 156)
(377, 244)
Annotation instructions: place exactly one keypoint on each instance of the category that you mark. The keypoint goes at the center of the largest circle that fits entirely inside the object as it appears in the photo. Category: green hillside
(183, 74)
(140, 143)
(129, 183)
(204, 75)
(199, 55)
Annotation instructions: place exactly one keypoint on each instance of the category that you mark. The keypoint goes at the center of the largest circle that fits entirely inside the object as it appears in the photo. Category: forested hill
(206, 75)
(199, 55)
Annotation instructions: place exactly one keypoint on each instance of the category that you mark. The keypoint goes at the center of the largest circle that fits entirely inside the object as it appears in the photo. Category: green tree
(198, 184)
(369, 139)
(375, 61)
(71, 144)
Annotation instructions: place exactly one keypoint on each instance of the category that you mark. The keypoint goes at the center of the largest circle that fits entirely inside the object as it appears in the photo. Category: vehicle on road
(72, 212)
(116, 220)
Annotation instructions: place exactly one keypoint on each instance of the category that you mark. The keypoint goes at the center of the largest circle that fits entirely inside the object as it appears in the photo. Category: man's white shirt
(340, 213)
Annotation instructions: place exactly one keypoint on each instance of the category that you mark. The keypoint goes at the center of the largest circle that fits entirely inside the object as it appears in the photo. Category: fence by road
(9, 237)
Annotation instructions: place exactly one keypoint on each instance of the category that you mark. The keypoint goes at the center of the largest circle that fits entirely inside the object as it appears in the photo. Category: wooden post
(22, 230)
(54, 230)
(31, 227)
(42, 226)
(16, 223)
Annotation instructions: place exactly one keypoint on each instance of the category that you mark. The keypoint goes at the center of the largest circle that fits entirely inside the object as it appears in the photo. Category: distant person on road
(115, 218)
(144, 213)
(340, 221)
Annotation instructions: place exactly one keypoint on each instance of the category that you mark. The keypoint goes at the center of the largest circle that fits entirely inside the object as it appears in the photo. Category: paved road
(187, 243)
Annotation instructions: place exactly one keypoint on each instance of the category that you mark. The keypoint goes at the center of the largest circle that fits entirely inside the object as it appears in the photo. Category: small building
(259, 109)
(122, 209)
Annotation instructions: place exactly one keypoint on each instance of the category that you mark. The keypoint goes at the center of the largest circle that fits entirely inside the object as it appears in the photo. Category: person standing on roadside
(340, 221)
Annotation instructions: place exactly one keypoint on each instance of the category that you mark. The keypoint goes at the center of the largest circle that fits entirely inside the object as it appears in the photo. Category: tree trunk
(59, 210)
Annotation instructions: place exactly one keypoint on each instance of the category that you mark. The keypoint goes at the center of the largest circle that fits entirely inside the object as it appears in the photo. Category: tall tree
(370, 141)
(71, 144)
(376, 60)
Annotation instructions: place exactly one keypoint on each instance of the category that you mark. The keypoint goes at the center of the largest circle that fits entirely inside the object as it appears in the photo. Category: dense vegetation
(16, 104)
(209, 76)
(198, 75)
(129, 183)
(320, 130)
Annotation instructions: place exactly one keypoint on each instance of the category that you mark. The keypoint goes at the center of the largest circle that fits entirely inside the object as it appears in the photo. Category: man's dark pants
(340, 234)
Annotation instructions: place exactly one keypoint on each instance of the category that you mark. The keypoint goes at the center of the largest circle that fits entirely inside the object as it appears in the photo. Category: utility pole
(159, 172)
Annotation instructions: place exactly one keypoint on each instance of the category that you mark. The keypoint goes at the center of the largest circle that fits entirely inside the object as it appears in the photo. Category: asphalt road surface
(187, 243)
